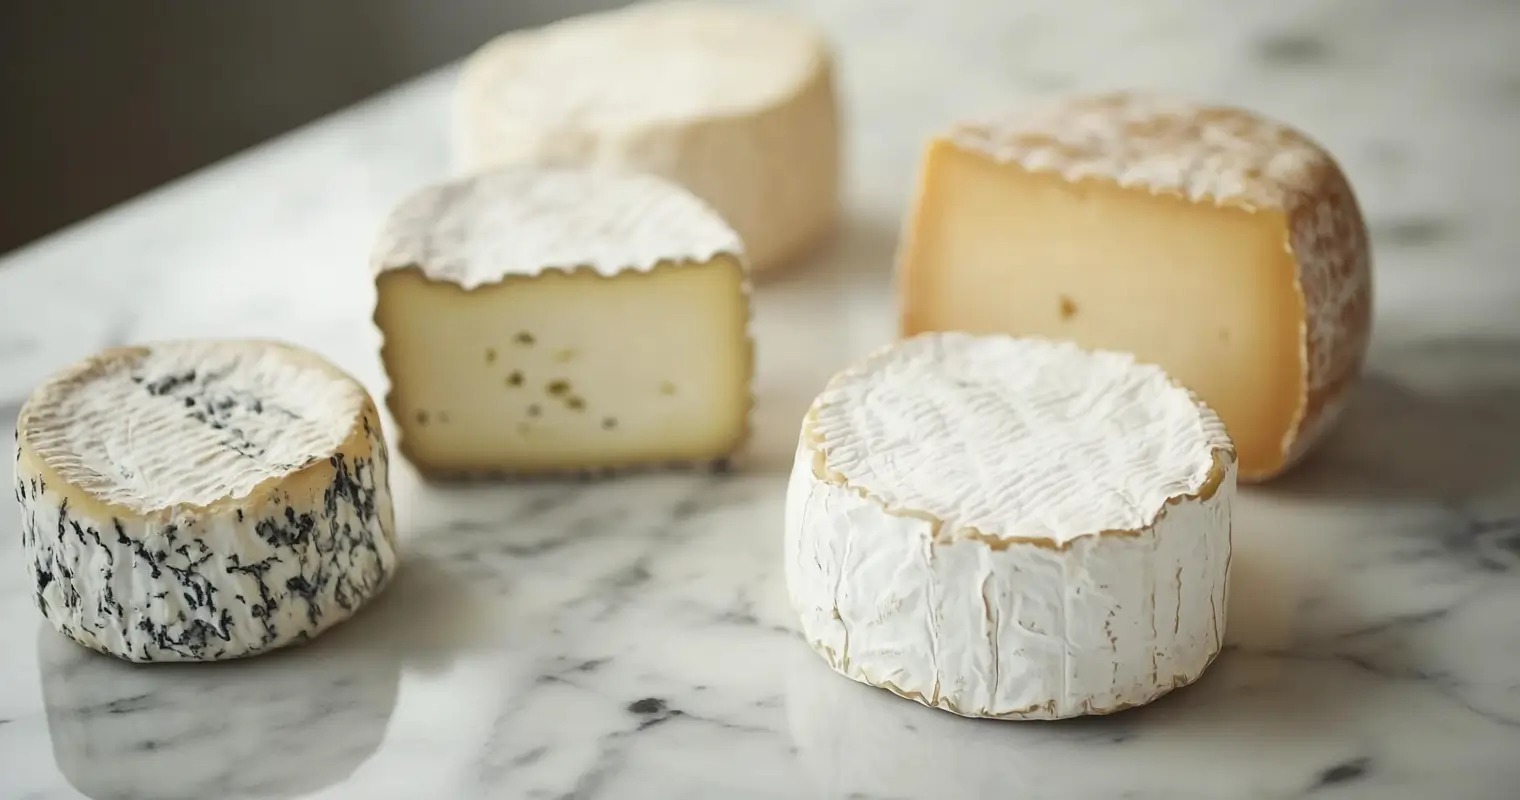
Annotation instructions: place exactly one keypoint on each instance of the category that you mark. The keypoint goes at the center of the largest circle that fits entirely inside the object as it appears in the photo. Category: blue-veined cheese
(202, 500)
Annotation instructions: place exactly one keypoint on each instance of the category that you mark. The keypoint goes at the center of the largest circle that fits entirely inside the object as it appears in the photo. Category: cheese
(545, 320)
(1225, 247)
(734, 103)
(202, 500)
(1011, 528)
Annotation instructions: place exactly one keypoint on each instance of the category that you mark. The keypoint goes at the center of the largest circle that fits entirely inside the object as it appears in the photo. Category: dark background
(101, 100)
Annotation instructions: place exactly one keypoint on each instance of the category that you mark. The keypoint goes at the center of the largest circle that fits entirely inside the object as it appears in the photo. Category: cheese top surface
(1024, 439)
(525, 220)
(1163, 143)
(645, 64)
(192, 423)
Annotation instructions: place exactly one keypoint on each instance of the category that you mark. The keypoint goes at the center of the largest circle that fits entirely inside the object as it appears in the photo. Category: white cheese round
(1011, 528)
(202, 500)
(735, 104)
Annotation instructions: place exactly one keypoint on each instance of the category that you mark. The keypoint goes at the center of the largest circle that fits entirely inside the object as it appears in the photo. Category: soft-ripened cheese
(545, 320)
(1225, 247)
(734, 103)
(1011, 528)
(202, 500)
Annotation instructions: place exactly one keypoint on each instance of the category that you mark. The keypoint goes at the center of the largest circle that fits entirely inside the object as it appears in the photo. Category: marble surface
(631, 639)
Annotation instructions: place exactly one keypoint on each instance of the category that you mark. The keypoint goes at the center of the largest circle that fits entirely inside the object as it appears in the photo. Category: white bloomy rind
(733, 102)
(1011, 528)
(524, 221)
(197, 501)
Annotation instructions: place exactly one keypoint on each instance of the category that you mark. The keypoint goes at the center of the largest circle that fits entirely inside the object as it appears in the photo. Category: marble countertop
(632, 639)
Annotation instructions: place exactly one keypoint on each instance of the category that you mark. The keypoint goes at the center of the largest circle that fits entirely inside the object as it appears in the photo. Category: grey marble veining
(632, 639)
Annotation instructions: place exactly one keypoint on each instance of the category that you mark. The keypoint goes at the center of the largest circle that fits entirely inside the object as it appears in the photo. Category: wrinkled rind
(1171, 145)
(100, 410)
(644, 223)
(235, 579)
(977, 658)
(721, 463)
(766, 154)
(1161, 143)
(1037, 712)
(1009, 461)
(1329, 240)
(890, 598)
(527, 220)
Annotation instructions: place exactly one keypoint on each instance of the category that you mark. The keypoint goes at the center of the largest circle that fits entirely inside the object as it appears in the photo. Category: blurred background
(101, 100)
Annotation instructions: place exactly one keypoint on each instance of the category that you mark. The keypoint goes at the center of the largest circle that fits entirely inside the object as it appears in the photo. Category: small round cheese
(202, 500)
(736, 104)
(1011, 528)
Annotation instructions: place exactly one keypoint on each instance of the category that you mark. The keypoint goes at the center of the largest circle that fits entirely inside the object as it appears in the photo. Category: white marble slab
(631, 639)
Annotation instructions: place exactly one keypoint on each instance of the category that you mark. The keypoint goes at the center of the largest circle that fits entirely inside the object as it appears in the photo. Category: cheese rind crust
(735, 104)
(525, 221)
(146, 541)
(1230, 157)
(605, 317)
(994, 603)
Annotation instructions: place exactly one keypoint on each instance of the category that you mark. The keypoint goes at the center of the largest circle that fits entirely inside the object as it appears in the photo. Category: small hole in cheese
(609, 423)
(1068, 307)
(525, 338)
(558, 388)
(490, 355)
(534, 410)
(575, 403)
(422, 417)
(667, 388)
(515, 379)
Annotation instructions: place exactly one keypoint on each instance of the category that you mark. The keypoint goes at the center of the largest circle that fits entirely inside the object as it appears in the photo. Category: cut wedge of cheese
(552, 321)
(202, 500)
(734, 103)
(1011, 528)
(1223, 246)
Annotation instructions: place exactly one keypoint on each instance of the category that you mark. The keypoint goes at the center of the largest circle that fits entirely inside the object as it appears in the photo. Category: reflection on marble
(631, 638)
(125, 731)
